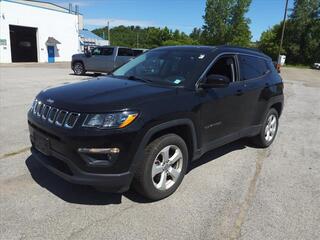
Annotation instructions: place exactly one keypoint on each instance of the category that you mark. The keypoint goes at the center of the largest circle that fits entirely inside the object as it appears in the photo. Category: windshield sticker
(201, 56)
(177, 81)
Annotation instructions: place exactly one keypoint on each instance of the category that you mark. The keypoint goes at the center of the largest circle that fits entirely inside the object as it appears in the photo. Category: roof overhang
(52, 41)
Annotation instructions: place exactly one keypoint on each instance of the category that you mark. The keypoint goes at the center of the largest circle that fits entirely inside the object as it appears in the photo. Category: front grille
(45, 112)
(61, 117)
(52, 115)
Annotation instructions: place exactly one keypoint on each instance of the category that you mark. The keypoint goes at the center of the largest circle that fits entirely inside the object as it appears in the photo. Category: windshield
(166, 66)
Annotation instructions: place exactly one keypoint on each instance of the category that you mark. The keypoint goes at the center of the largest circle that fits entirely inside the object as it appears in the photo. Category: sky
(175, 14)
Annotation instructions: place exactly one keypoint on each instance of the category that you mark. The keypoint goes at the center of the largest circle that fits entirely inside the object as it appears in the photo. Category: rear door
(108, 59)
(124, 55)
(101, 59)
(254, 73)
(222, 108)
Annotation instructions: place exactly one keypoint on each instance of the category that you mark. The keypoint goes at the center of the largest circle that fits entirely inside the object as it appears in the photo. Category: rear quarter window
(125, 52)
(252, 67)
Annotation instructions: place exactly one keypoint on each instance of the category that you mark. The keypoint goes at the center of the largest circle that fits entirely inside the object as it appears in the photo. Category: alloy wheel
(271, 128)
(78, 68)
(167, 167)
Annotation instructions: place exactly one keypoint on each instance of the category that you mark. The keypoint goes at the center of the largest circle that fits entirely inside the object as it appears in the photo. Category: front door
(51, 54)
(222, 109)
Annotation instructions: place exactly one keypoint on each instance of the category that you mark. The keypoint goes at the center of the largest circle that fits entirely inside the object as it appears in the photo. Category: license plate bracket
(42, 144)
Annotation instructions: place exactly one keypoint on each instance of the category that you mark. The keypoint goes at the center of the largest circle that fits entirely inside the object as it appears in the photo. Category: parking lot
(234, 192)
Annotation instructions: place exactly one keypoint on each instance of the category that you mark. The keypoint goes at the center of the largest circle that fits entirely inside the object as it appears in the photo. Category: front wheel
(78, 68)
(269, 129)
(163, 167)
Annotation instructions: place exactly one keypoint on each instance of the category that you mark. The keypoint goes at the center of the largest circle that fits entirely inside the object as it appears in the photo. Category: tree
(240, 32)
(302, 36)
(269, 41)
(149, 37)
(305, 18)
(225, 22)
(196, 34)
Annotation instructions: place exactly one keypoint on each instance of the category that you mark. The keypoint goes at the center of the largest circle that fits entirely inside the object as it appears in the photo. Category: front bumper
(65, 169)
(61, 156)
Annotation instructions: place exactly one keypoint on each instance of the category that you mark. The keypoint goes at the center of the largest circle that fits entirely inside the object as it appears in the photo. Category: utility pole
(283, 29)
(137, 40)
(109, 37)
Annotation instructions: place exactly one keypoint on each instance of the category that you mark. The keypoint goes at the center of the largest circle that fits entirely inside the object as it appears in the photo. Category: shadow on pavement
(79, 194)
(69, 192)
(218, 152)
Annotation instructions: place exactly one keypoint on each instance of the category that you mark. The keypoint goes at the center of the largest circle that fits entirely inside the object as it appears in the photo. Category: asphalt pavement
(234, 192)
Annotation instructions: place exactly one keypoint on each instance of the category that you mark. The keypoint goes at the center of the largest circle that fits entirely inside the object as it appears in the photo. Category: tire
(78, 68)
(268, 130)
(156, 167)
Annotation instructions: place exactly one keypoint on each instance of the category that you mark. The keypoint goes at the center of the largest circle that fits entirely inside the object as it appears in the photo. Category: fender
(158, 128)
(272, 101)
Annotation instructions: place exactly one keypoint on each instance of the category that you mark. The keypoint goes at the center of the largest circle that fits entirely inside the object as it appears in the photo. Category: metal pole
(283, 28)
(109, 38)
(137, 40)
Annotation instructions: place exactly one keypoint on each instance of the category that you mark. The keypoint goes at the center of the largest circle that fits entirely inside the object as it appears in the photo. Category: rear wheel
(269, 129)
(163, 167)
(78, 68)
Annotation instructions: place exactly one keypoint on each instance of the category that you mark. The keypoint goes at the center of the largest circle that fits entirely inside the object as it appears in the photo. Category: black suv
(143, 124)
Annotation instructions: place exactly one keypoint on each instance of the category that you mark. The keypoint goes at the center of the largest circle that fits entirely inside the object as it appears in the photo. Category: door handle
(239, 92)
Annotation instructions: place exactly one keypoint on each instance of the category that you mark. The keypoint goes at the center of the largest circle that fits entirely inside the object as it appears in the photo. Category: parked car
(101, 59)
(138, 51)
(147, 121)
(316, 65)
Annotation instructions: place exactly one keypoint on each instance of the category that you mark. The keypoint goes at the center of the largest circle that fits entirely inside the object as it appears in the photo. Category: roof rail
(239, 47)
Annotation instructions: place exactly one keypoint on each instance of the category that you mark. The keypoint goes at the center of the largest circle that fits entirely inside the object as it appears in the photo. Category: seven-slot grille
(54, 115)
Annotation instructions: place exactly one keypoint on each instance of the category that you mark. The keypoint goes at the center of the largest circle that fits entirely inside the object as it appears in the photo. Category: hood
(78, 55)
(102, 94)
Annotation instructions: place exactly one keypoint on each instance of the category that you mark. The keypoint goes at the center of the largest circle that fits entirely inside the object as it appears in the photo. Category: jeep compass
(143, 124)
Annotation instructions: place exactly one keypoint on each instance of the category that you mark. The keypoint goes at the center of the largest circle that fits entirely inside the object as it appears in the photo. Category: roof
(42, 4)
(89, 35)
(252, 51)
(52, 40)
(220, 48)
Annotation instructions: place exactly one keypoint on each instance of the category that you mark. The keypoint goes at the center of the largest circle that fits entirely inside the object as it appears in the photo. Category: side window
(252, 67)
(125, 52)
(107, 51)
(96, 51)
(224, 66)
(137, 52)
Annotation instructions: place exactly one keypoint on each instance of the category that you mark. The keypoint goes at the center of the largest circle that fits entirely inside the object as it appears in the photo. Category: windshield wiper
(138, 79)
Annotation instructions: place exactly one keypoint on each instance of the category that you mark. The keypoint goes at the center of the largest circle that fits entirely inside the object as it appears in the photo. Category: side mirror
(215, 81)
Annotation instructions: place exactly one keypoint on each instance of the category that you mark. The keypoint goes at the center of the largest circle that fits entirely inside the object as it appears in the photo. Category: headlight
(110, 120)
(34, 103)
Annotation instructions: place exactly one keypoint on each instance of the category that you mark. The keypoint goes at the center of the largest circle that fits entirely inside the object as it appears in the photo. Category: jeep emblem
(49, 100)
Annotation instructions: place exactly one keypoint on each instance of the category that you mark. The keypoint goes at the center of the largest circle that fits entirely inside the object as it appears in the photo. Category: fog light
(99, 150)
(99, 156)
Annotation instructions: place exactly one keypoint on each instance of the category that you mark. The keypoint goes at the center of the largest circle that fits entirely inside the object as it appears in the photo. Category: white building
(35, 31)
